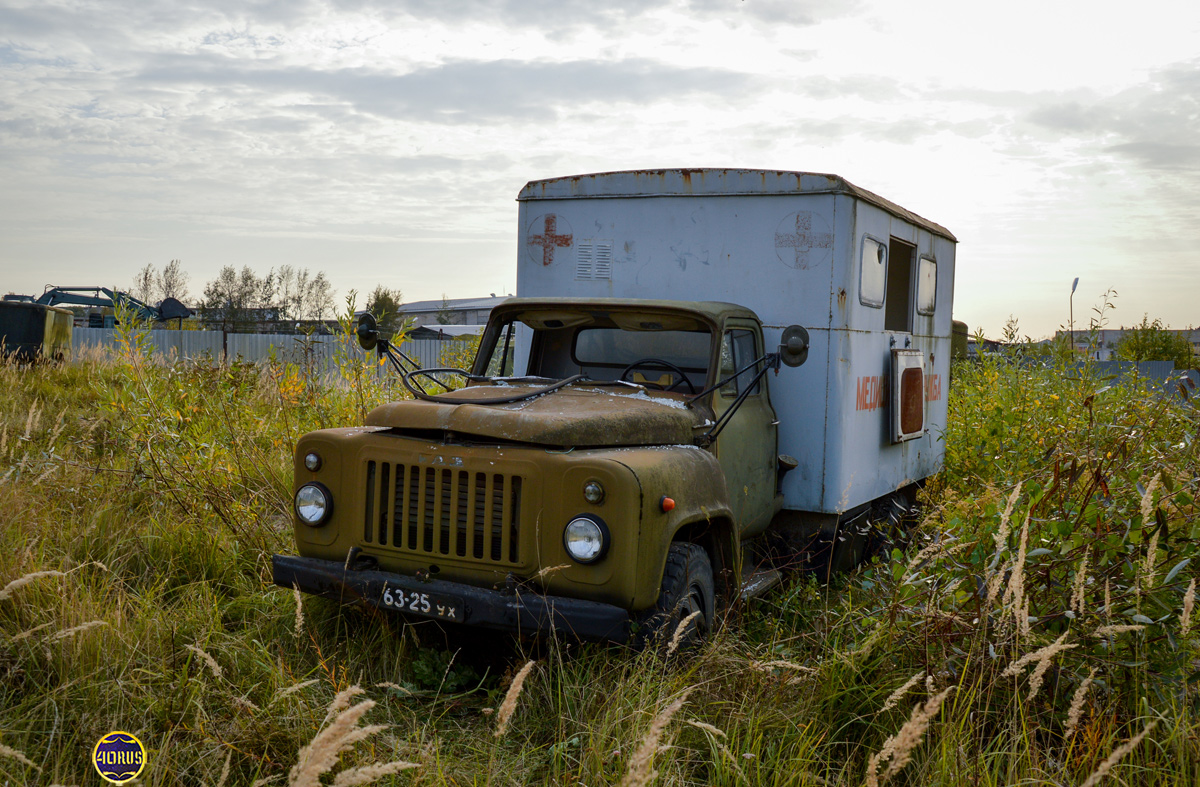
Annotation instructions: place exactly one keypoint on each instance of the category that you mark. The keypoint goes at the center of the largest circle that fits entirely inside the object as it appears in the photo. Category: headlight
(593, 492)
(312, 461)
(586, 538)
(314, 504)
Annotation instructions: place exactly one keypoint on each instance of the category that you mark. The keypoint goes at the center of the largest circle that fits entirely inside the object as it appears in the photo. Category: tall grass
(1039, 627)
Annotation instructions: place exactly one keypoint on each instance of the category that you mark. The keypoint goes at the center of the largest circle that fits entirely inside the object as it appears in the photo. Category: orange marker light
(667, 504)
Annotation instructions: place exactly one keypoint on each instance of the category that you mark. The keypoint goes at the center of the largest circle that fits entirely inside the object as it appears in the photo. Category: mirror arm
(723, 421)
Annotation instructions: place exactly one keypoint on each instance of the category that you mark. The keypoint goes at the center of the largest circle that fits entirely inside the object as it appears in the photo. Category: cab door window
(739, 348)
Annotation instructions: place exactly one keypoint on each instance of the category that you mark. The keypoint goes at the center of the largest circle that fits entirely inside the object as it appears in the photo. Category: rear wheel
(687, 594)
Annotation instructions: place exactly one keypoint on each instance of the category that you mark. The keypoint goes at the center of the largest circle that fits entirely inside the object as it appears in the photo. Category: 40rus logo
(119, 757)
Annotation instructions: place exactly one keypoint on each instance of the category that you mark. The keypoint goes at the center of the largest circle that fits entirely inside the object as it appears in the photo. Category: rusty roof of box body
(642, 183)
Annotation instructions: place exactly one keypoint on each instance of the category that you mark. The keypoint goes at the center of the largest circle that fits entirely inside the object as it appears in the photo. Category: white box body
(790, 246)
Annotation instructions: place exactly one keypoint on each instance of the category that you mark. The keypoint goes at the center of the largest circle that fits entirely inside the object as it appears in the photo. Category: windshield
(646, 348)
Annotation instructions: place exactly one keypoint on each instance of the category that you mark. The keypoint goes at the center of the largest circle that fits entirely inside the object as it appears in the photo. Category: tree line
(243, 300)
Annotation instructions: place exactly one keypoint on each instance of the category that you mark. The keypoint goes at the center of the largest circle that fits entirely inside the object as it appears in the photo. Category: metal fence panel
(319, 351)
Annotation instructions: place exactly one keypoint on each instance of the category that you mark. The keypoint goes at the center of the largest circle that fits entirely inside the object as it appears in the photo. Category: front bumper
(515, 611)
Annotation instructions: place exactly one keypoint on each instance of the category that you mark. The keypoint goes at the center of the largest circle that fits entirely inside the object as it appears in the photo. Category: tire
(687, 587)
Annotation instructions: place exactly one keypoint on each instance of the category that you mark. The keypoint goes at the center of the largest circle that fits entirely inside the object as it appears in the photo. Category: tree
(238, 301)
(151, 286)
(173, 281)
(385, 305)
(1151, 341)
(303, 296)
(445, 316)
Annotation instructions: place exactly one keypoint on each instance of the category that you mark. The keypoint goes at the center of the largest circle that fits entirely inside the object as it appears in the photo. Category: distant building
(1103, 345)
(436, 330)
(454, 311)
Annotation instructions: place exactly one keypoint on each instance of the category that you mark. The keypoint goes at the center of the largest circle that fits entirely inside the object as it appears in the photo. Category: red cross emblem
(794, 247)
(550, 238)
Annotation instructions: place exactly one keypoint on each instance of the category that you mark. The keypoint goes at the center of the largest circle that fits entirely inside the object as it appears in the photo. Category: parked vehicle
(618, 462)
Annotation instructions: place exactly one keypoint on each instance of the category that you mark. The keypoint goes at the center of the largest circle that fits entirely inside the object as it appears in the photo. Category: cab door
(746, 448)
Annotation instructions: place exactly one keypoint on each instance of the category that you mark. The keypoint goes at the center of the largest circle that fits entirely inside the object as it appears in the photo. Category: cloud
(461, 91)
(1155, 124)
(552, 15)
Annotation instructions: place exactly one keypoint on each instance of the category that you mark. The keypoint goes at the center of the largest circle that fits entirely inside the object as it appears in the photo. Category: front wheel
(687, 594)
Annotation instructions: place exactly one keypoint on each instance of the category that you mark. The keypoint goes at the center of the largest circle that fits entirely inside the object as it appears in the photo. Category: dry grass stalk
(1189, 602)
(1119, 628)
(1043, 664)
(768, 666)
(209, 660)
(29, 632)
(510, 699)
(1117, 755)
(1148, 499)
(1080, 585)
(365, 774)
(1015, 592)
(266, 781)
(91, 624)
(292, 689)
(341, 701)
(1038, 656)
(299, 609)
(1076, 711)
(32, 421)
(225, 770)
(1002, 532)
(640, 771)
(20, 757)
(897, 749)
(1107, 599)
(394, 686)
(680, 630)
(550, 571)
(1023, 617)
(1151, 558)
(321, 754)
(243, 702)
(899, 693)
(700, 725)
(21, 582)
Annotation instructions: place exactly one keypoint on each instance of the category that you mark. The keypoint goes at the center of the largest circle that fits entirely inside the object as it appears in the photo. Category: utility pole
(1074, 284)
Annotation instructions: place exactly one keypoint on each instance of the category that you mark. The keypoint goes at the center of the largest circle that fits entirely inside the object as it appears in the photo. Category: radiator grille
(450, 512)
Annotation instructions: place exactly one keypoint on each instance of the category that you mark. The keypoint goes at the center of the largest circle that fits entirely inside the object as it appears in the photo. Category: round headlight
(314, 504)
(593, 492)
(312, 461)
(586, 539)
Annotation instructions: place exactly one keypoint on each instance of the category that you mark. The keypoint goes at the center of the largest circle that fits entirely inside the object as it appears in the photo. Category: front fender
(691, 477)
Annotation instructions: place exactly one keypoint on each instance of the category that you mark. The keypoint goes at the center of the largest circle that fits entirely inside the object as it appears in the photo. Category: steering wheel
(661, 364)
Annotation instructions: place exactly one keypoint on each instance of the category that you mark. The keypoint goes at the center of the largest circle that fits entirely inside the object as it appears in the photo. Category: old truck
(637, 443)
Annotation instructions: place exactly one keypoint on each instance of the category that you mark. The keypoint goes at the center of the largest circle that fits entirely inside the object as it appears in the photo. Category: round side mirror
(793, 345)
(368, 331)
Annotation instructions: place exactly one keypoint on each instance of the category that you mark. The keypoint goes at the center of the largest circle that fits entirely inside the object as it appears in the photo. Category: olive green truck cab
(616, 465)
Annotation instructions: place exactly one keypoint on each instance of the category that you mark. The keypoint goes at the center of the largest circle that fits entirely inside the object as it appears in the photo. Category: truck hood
(582, 416)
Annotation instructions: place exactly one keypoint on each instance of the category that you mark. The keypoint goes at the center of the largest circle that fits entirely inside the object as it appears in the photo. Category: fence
(320, 351)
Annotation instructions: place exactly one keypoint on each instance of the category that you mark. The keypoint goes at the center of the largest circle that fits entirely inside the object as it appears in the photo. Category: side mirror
(368, 331)
(793, 345)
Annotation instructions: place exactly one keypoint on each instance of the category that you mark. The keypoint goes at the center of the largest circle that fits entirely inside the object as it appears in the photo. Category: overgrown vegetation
(1041, 622)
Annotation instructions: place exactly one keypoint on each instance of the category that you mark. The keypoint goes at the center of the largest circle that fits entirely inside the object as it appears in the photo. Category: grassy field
(1039, 628)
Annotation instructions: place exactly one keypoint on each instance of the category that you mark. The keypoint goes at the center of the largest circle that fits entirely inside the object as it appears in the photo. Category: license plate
(431, 605)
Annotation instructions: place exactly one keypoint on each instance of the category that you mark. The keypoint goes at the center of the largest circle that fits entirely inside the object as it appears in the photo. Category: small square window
(873, 281)
(926, 285)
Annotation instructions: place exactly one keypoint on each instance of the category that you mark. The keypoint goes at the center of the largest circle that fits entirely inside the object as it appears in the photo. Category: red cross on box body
(549, 239)
(793, 247)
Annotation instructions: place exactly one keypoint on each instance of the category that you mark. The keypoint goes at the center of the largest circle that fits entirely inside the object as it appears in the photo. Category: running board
(757, 580)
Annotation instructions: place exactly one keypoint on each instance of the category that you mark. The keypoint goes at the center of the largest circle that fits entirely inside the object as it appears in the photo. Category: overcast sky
(385, 142)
